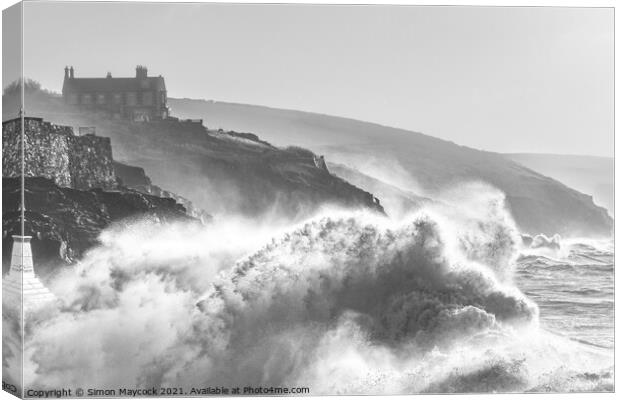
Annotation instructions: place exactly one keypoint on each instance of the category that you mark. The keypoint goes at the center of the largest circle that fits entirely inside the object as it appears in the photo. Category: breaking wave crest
(345, 303)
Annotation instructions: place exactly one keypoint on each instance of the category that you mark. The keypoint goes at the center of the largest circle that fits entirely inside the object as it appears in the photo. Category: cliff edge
(66, 222)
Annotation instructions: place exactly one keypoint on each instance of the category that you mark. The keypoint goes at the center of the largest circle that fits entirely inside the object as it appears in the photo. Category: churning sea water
(345, 303)
(574, 289)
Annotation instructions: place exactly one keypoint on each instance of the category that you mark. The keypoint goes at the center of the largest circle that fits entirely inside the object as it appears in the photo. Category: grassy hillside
(588, 174)
(414, 162)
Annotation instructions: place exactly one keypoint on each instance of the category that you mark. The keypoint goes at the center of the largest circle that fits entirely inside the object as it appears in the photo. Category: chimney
(141, 72)
(109, 75)
(66, 72)
(71, 72)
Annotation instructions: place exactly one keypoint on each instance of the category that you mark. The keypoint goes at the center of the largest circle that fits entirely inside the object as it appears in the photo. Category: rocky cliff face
(131, 176)
(135, 178)
(223, 172)
(66, 222)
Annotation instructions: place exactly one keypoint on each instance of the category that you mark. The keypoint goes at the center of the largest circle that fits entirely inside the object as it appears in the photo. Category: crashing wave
(343, 304)
(404, 283)
(542, 241)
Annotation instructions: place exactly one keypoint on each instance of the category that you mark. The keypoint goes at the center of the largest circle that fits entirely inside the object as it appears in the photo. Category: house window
(132, 99)
(147, 98)
(118, 98)
(101, 98)
(87, 98)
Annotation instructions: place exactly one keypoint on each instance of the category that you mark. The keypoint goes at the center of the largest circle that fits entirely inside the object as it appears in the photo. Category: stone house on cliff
(139, 98)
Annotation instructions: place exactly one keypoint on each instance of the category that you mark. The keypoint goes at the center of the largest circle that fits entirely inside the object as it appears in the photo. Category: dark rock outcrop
(130, 176)
(66, 222)
(135, 178)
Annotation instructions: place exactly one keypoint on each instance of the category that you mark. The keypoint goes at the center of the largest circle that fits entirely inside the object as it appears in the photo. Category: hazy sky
(501, 79)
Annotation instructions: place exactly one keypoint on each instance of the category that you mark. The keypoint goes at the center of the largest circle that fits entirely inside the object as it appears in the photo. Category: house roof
(114, 84)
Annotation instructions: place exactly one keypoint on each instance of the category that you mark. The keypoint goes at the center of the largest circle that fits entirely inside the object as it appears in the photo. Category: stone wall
(54, 152)
(47, 150)
(11, 148)
(91, 163)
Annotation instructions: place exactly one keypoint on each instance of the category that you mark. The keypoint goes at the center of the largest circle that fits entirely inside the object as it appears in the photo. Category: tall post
(22, 157)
